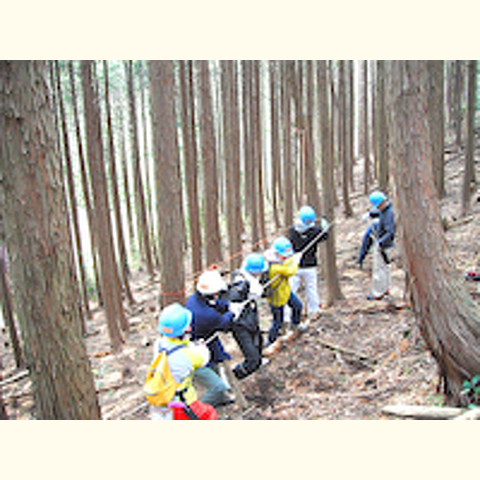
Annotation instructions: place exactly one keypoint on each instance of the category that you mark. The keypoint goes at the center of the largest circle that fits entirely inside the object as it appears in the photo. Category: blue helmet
(174, 320)
(376, 198)
(283, 247)
(255, 263)
(307, 215)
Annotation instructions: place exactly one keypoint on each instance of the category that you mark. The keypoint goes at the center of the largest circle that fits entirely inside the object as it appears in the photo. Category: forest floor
(356, 358)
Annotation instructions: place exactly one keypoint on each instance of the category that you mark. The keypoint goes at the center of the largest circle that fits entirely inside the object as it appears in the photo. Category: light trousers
(380, 272)
(309, 277)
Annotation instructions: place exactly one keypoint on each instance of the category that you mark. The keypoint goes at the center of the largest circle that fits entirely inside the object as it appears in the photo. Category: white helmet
(210, 282)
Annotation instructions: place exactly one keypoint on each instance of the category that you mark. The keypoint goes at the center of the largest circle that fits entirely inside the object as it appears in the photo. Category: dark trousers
(250, 343)
(278, 314)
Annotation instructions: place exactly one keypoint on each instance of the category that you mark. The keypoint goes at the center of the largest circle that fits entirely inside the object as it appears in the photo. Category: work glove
(236, 308)
(297, 257)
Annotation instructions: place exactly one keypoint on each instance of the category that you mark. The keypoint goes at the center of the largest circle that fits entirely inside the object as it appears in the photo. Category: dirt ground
(357, 357)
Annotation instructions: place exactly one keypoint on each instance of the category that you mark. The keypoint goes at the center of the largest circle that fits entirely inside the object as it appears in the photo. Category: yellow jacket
(281, 286)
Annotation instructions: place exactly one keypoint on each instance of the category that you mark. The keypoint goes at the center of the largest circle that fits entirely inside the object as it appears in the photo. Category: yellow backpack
(160, 386)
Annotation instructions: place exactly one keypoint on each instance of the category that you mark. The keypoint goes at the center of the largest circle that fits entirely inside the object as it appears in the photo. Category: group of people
(191, 332)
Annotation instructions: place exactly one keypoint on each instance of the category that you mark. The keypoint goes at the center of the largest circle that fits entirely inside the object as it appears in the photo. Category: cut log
(470, 414)
(423, 412)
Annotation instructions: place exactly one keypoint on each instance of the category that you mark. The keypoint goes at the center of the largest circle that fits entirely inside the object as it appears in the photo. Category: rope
(194, 276)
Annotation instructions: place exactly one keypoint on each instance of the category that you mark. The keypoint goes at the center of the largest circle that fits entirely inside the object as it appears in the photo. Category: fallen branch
(459, 222)
(340, 349)
(423, 412)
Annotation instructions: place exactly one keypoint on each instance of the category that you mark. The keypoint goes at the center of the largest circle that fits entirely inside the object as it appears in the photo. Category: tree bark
(458, 100)
(85, 184)
(231, 158)
(46, 290)
(449, 319)
(328, 184)
(103, 227)
(171, 223)
(70, 185)
(342, 141)
(382, 132)
(311, 177)
(190, 158)
(437, 120)
(366, 131)
(122, 251)
(469, 178)
(287, 145)
(209, 161)
(144, 239)
(275, 140)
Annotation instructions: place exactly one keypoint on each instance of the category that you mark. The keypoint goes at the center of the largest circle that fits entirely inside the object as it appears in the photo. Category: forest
(122, 181)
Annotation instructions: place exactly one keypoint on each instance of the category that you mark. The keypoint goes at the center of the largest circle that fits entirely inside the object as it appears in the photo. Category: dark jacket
(301, 239)
(384, 231)
(207, 320)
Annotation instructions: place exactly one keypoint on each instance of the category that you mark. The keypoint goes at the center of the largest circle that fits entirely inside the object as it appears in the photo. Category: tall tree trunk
(437, 119)
(294, 77)
(351, 123)
(139, 187)
(149, 175)
(46, 291)
(236, 150)
(366, 131)
(328, 185)
(311, 183)
(251, 152)
(231, 151)
(212, 229)
(287, 145)
(122, 251)
(469, 179)
(85, 183)
(247, 143)
(70, 184)
(257, 135)
(449, 319)
(275, 140)
(190, 156)
(123, 129)
(103, 231)
(342, 141)
(458, 101)
(374, 141)
(171, 222)
(382, 133)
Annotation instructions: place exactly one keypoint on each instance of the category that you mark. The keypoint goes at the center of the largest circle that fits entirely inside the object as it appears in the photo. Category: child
(305, 237)
(242, 295)
(174, 323)
(283, 265)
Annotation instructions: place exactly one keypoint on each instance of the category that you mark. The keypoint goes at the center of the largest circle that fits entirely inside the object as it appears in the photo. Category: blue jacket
(383, 229)
(207, 320)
